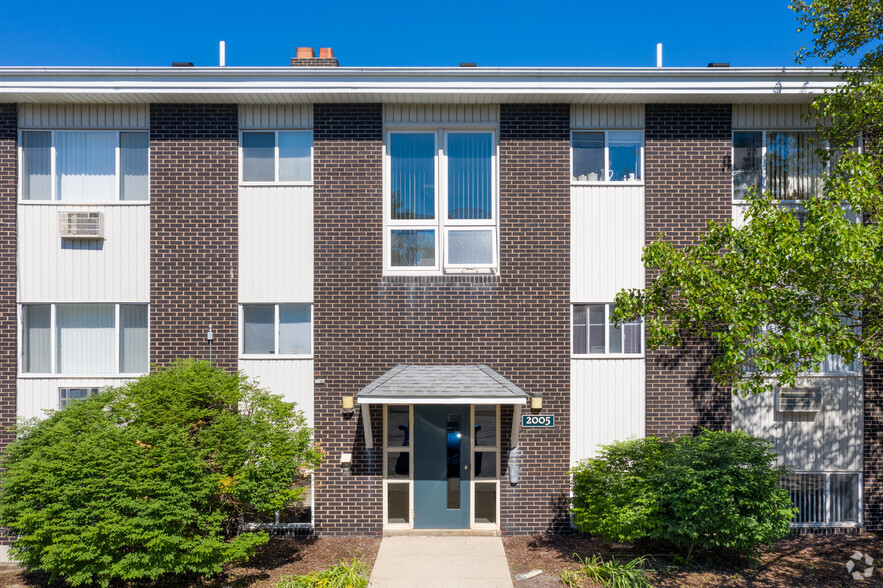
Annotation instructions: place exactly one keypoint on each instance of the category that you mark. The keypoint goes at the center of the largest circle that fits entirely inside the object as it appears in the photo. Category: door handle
(465, 467)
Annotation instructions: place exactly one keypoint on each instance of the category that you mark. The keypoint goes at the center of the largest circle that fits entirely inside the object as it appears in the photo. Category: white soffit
(259, 85)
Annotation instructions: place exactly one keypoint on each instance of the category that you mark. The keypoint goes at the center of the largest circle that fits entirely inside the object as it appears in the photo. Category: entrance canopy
(441, 384)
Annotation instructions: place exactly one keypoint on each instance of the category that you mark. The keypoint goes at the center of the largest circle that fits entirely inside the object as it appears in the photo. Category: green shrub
(149, 480)
(346, 574)
(718, 489)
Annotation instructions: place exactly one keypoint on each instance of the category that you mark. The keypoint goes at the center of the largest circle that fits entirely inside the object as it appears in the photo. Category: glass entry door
(441, 466)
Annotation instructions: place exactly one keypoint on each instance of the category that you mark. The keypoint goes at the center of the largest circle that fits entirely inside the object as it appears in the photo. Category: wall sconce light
(347, 406)
(536, 403)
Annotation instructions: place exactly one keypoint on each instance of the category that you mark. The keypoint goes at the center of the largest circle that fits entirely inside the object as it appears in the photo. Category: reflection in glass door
(397, 465)
(486, 466)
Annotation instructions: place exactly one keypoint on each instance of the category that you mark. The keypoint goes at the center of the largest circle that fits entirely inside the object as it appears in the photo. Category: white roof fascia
(139, 84)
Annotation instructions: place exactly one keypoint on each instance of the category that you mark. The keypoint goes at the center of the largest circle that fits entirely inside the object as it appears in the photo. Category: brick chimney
(306, 57)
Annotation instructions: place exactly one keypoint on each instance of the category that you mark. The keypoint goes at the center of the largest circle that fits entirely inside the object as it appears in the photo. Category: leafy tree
(719, 489)
(149, 480)
(780, 294)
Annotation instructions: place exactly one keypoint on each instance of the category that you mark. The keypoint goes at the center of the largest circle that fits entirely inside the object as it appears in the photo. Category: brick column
(8, 340)
(873, 447)
(516, 322)
(193, 232)
(687, 151)
(535, 268)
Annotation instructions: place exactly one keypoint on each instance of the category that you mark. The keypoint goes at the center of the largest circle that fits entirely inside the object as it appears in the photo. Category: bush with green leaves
(148, 480)
(718, 489)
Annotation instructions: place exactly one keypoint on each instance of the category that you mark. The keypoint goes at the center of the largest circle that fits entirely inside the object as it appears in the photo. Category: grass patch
(346, 574)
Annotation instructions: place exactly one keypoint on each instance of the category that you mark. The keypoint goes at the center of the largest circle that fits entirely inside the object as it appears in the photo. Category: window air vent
(81, 225)
(808, 399)
(68, 395)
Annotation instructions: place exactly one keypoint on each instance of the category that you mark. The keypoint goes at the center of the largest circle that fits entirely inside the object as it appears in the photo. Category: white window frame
(276, 181)
(53, 341)
(243, 355)
(607, 325)
(65, 402)
(410, 481)
(763, 155)
(828, 503)
(440, 224)
(605, 182)
(53, 173)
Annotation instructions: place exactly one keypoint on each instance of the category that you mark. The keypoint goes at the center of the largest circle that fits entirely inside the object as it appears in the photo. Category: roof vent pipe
(658, 54)
(223, 54)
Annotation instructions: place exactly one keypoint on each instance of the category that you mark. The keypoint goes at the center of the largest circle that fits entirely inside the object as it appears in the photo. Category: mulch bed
(278, 558)
(813, 560)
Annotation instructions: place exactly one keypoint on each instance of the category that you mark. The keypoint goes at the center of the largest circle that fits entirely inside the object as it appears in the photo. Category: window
(441, 203)
(782, 162)
(607, 156)
(595, 334)
(84, 339)
(277, 157)
(84, 166)
(825, 499)
(67, 396)
(277, 329)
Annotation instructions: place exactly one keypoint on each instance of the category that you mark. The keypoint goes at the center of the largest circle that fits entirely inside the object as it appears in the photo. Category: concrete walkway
(430, 562)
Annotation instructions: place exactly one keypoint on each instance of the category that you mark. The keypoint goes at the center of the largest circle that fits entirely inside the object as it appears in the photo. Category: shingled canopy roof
(441, 384)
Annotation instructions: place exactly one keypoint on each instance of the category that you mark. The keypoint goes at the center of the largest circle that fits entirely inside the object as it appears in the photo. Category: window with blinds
(785, 163)
(84, 339)
(84, 166)
(441, 203)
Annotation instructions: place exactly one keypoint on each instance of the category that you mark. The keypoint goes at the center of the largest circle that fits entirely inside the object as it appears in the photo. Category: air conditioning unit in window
(81, 225)
(801, 399)
(68, 395)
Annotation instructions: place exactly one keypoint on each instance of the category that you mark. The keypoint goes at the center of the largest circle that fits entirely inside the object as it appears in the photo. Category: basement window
(825, 499)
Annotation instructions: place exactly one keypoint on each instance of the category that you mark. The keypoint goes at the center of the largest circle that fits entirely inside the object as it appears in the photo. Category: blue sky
(402, 33)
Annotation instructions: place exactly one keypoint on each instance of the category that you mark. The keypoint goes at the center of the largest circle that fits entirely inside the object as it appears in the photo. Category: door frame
(410, 481)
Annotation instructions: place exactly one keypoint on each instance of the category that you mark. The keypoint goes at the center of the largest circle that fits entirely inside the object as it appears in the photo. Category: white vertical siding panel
(607, 403)
(276, 244)
(607, 237)
(607, 116)
(116, 269)
(440, 113)
(290, 378)
(82, 116)
(275, 116)
(37, 395)
(771, 116)
(828, 440)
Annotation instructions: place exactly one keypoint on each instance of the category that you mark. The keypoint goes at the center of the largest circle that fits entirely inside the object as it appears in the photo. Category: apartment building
(423, 259)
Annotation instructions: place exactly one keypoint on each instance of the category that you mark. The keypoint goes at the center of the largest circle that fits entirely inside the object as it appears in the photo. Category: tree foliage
(778, 294)
(149, 480)
(719, 489)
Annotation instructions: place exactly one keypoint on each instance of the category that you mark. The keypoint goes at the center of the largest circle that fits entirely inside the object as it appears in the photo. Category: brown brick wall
(873, 446)
(8, 342)
(516, 322)
(193, 232)
(314, 62)
(687, 151)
